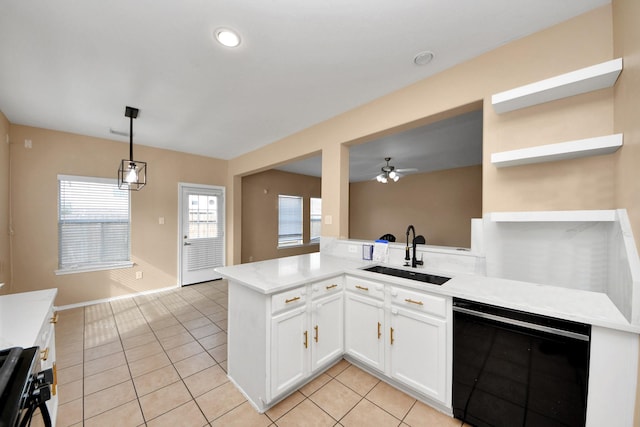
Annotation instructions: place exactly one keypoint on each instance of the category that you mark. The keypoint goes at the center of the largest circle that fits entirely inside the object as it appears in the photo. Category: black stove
(23, 388)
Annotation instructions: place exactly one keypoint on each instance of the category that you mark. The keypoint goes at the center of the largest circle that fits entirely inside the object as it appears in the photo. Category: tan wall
(577, 184)
(626, 32)
(260, 212)
(5, 260)
(439, 204)
(34, 206)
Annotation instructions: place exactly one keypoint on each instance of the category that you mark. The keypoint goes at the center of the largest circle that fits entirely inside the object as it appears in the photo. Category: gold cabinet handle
(391, 329)
(54, 319)
(331, 286)
(44, 354)
(54, 386)
(410, 301)
(379, 330)
(362, 288)
(306, 339)
(287, 301)
(316, 329)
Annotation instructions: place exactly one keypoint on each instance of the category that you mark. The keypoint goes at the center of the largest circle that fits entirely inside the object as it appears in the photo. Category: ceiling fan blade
(407, 170)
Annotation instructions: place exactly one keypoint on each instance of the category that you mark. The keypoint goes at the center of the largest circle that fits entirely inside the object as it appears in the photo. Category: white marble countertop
(594, 308)
(21, 317)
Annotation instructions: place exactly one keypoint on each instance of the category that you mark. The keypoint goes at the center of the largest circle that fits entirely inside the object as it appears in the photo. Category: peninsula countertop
(278, 275)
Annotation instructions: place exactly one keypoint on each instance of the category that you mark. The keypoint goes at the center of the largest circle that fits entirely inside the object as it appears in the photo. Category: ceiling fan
(389, 172)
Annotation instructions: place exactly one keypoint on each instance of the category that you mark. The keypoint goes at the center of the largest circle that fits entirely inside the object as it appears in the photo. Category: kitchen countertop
(21, 317)
(277, 275)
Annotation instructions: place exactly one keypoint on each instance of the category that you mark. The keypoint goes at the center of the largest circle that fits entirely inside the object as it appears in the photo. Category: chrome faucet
(414, 262)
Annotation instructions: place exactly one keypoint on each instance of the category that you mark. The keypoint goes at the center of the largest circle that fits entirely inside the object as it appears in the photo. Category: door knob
(187, 244)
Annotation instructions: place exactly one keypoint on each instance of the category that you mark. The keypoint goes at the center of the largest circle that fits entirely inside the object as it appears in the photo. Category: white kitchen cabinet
(404, 334)
(289, 349)
(26, 320)
(327, 330)
(305, 337)
(417, 352)
(364, 328)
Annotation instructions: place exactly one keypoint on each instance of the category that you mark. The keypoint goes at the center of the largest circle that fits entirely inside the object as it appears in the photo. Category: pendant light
(132, 174)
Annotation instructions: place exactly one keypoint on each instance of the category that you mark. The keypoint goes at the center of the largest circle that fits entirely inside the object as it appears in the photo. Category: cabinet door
(327, 330)
(418, 351)
(289, 349)
(364, 330)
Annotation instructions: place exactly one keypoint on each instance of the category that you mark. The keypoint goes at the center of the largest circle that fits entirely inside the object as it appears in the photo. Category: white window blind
(315, 213)
(93, 224)
(289, 220)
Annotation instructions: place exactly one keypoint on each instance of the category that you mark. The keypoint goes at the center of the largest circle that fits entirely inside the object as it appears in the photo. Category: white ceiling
(74, 65)
(452, 143)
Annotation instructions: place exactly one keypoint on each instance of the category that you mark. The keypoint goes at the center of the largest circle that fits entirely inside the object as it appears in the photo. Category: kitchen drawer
(288, 299)
(365, 287)
(427, 303)
(46, 339)
(327, 287)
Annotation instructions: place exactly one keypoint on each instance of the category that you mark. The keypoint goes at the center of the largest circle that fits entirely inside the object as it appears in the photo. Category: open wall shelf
(561, 151)
(555, 216)
(585, 80)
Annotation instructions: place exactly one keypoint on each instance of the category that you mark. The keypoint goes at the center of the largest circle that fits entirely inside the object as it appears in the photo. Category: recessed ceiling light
(227, 37)
(423, 58)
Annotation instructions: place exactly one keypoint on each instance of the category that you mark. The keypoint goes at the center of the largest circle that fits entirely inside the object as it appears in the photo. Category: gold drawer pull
(287, 301)
(306, 339)
(379, 332)
(391, 329)
(362, 288)
(410, 301)
(54, 319)
(44, 354)
(331, 286)
(316, 329)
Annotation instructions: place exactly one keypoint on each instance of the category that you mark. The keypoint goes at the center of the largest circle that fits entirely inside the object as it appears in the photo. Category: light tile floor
(160, 360)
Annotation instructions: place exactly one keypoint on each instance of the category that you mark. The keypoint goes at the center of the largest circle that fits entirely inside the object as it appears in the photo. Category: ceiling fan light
(393, 175)
(395, 178)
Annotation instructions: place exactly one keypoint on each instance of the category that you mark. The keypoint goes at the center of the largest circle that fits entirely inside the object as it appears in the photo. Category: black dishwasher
(512, 368)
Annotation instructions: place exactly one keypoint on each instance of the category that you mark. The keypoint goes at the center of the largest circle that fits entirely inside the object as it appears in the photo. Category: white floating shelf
(576, 82)
(555, 216)
(561, 151)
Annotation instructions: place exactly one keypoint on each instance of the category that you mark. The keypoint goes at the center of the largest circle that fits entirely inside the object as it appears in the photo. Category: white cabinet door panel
(364, 330)
(289, 349)
(327, 330)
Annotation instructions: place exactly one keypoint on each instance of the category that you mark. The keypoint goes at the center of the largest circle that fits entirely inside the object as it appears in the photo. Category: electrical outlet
(161, 220)
(138, 274)
(27, 143)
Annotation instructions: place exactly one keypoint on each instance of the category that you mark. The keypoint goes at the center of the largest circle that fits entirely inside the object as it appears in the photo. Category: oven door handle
(522, 324)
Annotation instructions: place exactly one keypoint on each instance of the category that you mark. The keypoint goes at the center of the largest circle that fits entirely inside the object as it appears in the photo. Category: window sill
(299, 246)
(88, 269)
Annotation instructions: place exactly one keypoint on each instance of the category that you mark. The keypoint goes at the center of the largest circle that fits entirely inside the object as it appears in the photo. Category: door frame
(181, 186)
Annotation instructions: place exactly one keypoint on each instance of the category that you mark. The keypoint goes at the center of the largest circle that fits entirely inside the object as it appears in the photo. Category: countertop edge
(460, 286)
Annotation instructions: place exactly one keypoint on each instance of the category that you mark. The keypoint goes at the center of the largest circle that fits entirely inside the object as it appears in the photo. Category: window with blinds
(315, 216)
(93, 224)
(289, 221)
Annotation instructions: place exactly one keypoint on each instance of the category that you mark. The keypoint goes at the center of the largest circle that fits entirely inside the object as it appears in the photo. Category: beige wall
(34, 207)
(439, 204)
(576, 184)
(626, 36)
(5, 261)
(260, 212)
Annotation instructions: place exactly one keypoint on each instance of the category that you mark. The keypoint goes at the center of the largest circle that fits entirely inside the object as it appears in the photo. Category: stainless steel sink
(406, 274)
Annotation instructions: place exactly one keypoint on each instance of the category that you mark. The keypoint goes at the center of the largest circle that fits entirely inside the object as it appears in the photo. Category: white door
(202, 246)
